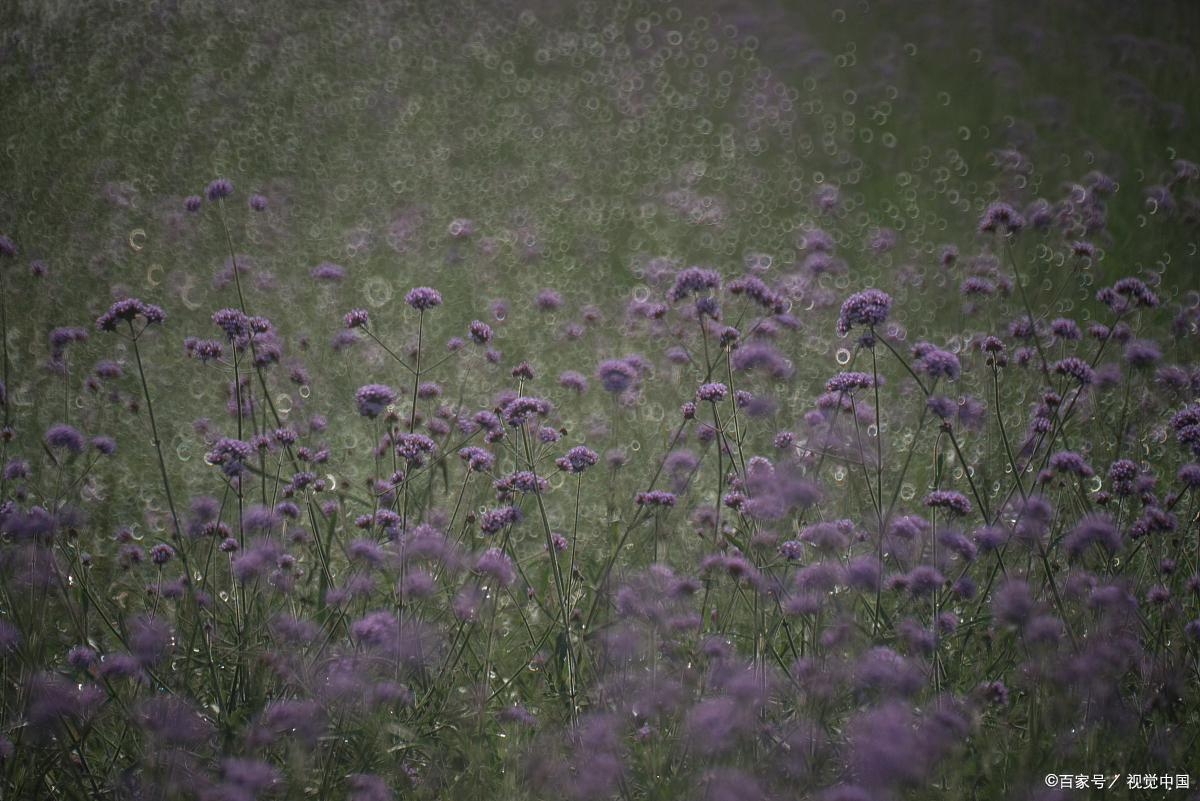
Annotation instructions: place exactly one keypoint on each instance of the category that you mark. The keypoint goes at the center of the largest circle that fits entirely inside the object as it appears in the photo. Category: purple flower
(761, 355)
(1142, 353)
(1011, 603)
(203, 349)
(950, 500)
(518, 410)
(218, 189)
(494, 563)
(848, 382)
(713, 392)
(938, 363)
(693, 279)
(1071, 462)
(577, 460)
(192, 203)
(547, 299)
(105, 445)
(64, 436)
(1001, 218)
(654, 498)
(924, 579)
(493, 521)
(476, 458)
(616, 375)
(355, 318)
(1077, 368)
(372, 399)
(161, 554)
(792, 549)
(257, 203)
(868, 308)
(1189, 475)
(423, 298)
(573, 380)
(942, 406)
(1066, 329)
(976, 286)
(128, 310)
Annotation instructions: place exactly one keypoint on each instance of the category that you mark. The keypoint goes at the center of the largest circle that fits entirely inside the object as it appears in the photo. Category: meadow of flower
(615, 400)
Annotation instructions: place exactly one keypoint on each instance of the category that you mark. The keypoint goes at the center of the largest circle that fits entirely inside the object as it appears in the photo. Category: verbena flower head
(128, 310)
(578, 459)
(616, 375)
(868, 308)
(373, 399)
(1071, 462)
(219, 188)
(654, 498)
(423, 298)
(1001, 218)
(65, 436)
(480, 332)
(949, 500)
(713, 392)
(1078, 369)
(693, 280)
(849, 382)
(257, 203)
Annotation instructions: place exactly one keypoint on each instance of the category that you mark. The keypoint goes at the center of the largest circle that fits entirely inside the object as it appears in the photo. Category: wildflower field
(599, 400)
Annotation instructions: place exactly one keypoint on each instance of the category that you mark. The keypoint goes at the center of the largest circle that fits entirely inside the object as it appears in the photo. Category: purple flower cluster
(423, 298)
(373, 399)
(868, 308)
(127, 311)
(693, 280)
(949, 500)
(577, 460)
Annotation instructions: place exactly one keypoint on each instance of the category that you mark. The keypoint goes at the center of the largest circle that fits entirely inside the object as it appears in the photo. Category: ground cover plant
(618, 400)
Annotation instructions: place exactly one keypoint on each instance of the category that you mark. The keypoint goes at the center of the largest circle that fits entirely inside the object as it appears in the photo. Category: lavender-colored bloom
(693, 279)
(219, 188)
(1012, 604)
(950, 500)
(976, 285)
(868, 308)
(372, 399)
(825, 536)
(479, 332)
(355, 318)
(848, 382)
(864, 573)
(548, 299)
(654, 498)
(712, 392)
(761, 355)
(1001, 218)
(1071, 462)
(496, 564)
(128, 310)
(192, 203)
(615, 375)
(1189, 475)
(1066, 329)
(203, 349)
(572, 380)
(65, 436)
(792, 549)
(476, 458)
(959, 544)
(257, 203)
(329, 273)
(107, 446)
(939, 363)
(1077, 368)
(423, 298)
(577, 460)
(82, 658)
(161, 554)
(1142, 353)
(519, 410)
(924, 579)
(941, 406)
(493, 521)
